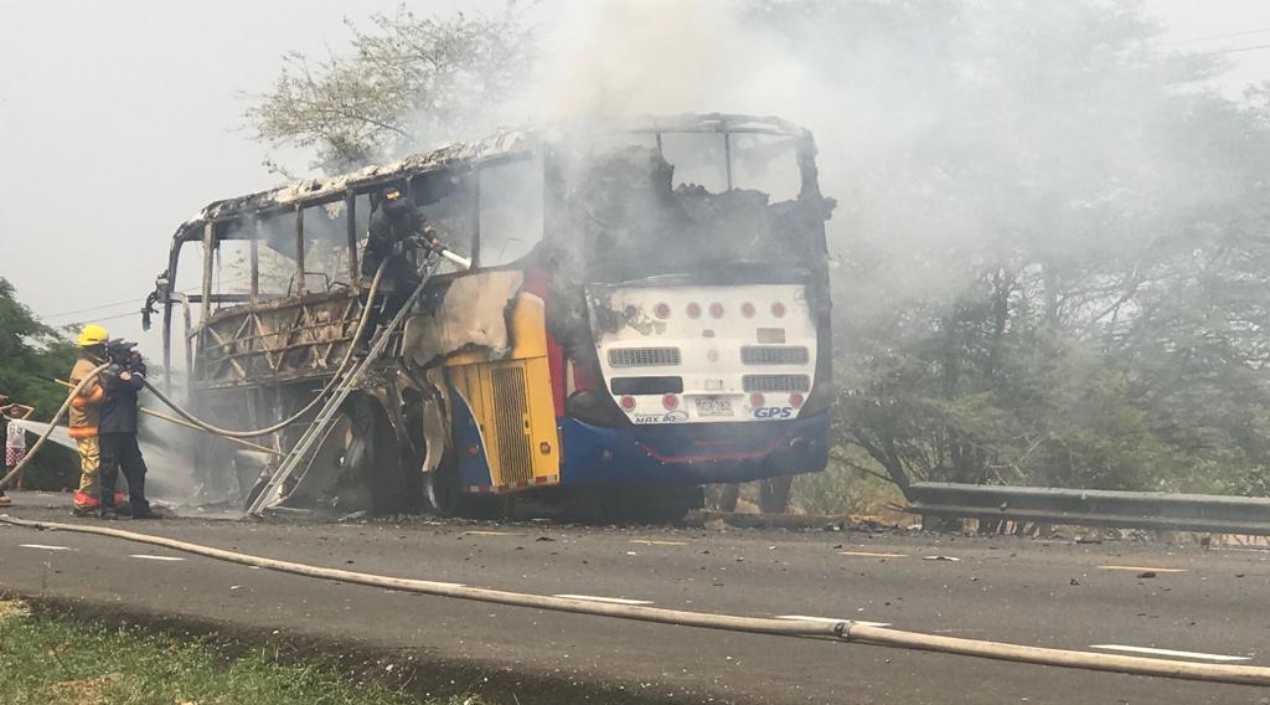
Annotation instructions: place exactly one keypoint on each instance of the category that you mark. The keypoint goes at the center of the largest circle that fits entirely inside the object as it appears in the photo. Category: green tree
(1053, 252)
(32, 355)
(410, 83)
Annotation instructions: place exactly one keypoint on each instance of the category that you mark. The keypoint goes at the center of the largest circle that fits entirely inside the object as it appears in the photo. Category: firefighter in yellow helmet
(84, 414)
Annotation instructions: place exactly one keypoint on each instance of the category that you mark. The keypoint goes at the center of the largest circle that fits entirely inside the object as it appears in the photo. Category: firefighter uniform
(84, 415)
(118, 437)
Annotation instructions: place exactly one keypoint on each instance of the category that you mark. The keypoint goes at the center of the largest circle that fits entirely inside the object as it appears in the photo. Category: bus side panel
(504, 425)
(529, 336)
(505, 422)
(470, 445)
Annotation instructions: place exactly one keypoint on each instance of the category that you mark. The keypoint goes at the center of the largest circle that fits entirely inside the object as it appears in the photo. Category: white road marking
(155, 558)
(1169, 652)
(830, 620)
(1142, 569)
(490, 533)
(871, 554)
(610, 600)
(650, 542)
(42, 547)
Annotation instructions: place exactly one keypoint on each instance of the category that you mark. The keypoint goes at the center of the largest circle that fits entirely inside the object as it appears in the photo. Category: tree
(32, 355)
(1053, 251)
(409, 84)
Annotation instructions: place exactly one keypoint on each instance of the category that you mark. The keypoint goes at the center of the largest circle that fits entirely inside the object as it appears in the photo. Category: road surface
(1113, 597)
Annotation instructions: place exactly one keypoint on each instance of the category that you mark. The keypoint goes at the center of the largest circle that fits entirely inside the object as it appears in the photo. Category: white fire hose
(845, 630)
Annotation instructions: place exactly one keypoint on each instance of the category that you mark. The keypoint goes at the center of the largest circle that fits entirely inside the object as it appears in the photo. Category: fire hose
(39, 443)
(195, 421)
(845, 630)
(336, 379)
(229, 434)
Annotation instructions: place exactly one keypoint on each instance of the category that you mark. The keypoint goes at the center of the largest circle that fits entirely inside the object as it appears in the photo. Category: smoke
(946, 129)
(616, 59)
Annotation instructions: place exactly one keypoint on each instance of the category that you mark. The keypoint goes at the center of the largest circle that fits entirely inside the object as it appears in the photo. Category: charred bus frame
(255, 356)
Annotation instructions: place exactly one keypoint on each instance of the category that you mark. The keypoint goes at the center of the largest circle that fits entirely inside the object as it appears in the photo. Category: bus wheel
(374, 455)
(442, 491)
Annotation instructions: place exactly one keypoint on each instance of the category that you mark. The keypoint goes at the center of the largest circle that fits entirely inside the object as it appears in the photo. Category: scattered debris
(1147, 574)
(952, 559)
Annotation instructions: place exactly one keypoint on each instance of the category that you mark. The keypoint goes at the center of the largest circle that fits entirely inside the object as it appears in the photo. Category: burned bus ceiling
(501, 144)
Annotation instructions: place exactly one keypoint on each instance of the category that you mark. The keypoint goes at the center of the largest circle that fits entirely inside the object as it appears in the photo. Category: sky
(120, 120)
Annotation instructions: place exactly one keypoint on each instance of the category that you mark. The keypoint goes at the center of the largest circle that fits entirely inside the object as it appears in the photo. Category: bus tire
(376, 453)
(441, 489)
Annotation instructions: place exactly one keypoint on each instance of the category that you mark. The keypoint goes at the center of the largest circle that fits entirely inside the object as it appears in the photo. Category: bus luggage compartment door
(513, 429)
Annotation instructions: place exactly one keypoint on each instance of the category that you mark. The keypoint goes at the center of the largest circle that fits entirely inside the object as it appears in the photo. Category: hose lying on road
(844, 630)
(39, 443)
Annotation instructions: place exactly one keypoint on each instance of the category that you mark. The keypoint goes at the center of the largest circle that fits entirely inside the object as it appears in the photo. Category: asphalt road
(1095, 597)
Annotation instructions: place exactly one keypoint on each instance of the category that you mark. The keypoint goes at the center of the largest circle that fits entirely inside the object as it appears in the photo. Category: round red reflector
(716, 310)
(778, 309)
(662, 310)
(757, 401)
(628, 403)
(544, 447)
(694, 311)
(670, 401)
(747, 309)
(795, 400)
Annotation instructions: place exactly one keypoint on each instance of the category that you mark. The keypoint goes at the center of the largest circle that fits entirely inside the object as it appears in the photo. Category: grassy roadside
(46, 661)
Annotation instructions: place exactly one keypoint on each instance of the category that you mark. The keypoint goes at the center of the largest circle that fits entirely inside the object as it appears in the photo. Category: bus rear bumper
(692, 453)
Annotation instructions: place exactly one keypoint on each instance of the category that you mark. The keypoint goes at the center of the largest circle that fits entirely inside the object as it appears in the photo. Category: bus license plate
(714, 406)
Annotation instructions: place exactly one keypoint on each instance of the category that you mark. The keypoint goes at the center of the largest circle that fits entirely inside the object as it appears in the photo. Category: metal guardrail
(1134, 510)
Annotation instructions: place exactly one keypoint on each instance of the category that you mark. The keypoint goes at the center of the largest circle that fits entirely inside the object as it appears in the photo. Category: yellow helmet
(92, 334)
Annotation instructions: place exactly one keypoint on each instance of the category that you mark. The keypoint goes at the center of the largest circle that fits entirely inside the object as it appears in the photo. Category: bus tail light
(747, 309)
(778, 309)
(796, 400)
(628, 403)
(694, 310)
(670, 401)
(716, 310)
(662, 311)
(757, 401)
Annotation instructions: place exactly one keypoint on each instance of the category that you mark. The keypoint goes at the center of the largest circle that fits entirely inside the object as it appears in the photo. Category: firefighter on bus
(397, 229)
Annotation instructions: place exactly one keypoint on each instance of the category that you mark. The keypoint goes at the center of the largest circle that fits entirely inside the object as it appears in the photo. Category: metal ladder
(299, 455)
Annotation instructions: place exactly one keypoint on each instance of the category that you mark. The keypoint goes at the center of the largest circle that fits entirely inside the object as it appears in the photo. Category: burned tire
(442, 491)
(444, 495)
(374, 457)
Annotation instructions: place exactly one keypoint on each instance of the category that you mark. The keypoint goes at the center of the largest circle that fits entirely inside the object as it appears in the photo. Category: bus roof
(325, 189)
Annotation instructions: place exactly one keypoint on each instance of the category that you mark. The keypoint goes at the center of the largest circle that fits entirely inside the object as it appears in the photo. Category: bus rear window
(767, 163)
(699, 159)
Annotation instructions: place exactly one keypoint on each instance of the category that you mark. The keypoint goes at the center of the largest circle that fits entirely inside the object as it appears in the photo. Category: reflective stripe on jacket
(84, 412)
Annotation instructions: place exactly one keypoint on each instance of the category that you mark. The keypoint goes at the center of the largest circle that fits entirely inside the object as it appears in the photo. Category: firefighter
(84, 416)
(396, 227)
(117, 435)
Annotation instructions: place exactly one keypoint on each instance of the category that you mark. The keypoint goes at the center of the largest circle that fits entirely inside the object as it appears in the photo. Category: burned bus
(647, 312)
